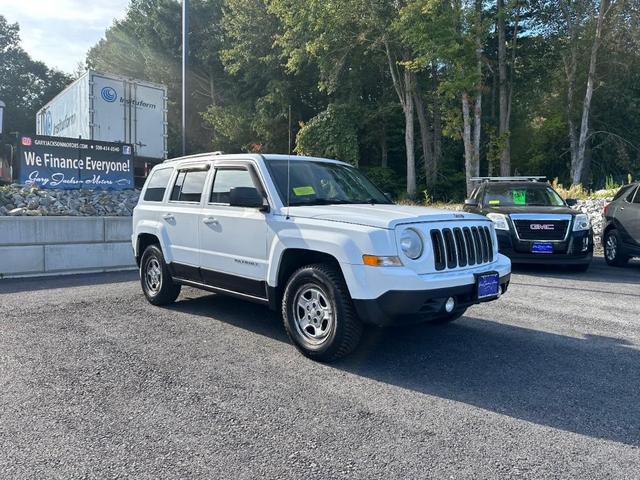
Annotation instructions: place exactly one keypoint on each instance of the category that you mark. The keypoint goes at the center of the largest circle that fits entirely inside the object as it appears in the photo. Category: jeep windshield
(322, 183)
(521, 196)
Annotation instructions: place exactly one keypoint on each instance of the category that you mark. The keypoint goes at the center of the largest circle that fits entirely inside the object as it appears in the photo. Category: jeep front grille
(461, 247)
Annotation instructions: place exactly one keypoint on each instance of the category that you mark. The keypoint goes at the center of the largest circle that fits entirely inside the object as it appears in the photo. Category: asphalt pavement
(97, 383)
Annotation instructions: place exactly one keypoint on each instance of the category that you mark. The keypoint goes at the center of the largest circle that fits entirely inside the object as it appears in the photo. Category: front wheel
(318, 313)
(613, 249)
(157, 284)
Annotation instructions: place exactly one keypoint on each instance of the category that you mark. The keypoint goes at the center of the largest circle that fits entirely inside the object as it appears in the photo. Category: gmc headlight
(411, 243)
(499, 221)
(581, 222)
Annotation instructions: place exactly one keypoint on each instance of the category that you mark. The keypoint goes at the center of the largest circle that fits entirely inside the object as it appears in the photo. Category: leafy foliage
(330, 134)
(25, 85)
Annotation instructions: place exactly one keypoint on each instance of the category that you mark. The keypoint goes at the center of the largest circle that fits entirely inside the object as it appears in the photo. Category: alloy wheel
(153, 276)
(314, 316)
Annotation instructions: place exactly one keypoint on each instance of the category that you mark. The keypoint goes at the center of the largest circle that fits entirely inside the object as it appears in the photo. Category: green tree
(25, 85)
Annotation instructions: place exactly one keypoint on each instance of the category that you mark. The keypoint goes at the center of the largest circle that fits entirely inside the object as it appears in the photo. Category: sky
(60, 32)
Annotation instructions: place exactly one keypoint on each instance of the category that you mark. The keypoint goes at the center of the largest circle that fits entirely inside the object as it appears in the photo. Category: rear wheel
(613, 249)
(157, 284)
(318, 313)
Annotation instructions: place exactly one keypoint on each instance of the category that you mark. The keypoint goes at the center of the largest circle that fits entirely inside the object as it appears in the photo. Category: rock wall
(594, 208)
(31, 201)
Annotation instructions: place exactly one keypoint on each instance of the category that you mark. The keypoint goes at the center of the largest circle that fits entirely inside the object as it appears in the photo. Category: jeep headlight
(411, 243)
(581, 222)
(499, 221)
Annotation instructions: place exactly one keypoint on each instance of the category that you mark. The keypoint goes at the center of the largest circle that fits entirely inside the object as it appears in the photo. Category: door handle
(210, 221)
(168, 216)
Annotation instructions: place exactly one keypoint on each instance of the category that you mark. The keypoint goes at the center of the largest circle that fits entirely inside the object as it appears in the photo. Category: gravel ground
(96, 383)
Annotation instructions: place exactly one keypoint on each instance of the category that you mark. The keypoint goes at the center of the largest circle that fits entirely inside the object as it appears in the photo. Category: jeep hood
(380, 216)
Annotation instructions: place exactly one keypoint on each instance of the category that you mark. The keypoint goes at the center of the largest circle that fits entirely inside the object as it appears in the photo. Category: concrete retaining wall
(31, 246)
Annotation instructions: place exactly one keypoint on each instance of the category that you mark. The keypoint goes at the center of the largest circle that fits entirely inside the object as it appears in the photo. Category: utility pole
(185, 55)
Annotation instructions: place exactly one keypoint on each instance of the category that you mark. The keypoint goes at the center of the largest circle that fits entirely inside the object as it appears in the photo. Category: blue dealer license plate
(488, 285)
(541, 247)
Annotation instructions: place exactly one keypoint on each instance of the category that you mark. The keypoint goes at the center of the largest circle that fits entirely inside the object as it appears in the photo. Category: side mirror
(247, 197)
(471, 202)
(572, 202)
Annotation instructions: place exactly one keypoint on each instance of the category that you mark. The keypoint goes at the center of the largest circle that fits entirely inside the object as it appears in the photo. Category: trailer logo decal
(109, 94)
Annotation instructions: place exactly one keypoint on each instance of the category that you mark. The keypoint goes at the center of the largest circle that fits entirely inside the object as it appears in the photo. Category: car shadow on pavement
(589, 386)
(30, 284)
(239, 313)
(598, 272)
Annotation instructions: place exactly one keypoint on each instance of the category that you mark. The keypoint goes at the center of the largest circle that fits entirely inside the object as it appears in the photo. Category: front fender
(346, 244)
(157, 229)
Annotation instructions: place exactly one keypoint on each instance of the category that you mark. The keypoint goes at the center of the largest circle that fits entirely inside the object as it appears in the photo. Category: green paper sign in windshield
(519, 197)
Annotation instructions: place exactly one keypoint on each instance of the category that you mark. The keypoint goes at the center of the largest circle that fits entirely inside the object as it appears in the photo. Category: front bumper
(576, 250)
(404, 307)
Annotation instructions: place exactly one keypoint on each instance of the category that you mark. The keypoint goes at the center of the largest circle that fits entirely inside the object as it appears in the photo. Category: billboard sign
(71, 163)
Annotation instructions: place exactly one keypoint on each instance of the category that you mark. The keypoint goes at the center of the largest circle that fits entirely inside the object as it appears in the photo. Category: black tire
(448, 317)
(614, 253)
(333, 328)
(165, 290)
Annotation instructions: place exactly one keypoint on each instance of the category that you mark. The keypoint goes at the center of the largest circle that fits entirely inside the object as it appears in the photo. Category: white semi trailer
(111, 108)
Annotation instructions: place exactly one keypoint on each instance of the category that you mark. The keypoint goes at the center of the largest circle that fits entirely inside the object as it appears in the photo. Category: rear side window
(225, 180)
(157, 185)
(636, 199)
(189, 186)
(622, 191)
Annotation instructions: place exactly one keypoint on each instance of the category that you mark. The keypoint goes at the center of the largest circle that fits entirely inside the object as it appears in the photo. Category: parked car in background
(314, 239)
(533, 223)
(621, 229)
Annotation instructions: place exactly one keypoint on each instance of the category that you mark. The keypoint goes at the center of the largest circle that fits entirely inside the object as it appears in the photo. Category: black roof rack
(508, 179)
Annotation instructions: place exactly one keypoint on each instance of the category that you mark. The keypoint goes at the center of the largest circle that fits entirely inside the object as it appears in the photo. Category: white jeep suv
(314, 238)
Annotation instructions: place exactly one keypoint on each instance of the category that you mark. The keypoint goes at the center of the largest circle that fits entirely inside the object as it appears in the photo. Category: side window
(189, 186)
(157, 185)
(225, 180)
(175, 193)
(630, 196)
(622, 191)
(636, 199)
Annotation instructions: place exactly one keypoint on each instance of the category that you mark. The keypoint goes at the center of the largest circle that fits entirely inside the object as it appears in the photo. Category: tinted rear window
(622, 191)
(157, 185)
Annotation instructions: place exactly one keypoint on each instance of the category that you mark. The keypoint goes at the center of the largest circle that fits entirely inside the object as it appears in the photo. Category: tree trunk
(437, 135)
(469, 156)
(404, 90)
(505, 151)
(570, 66)
(580, 172)
(384, 149)
(408, 134)
(425, 137)
(478, 103)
